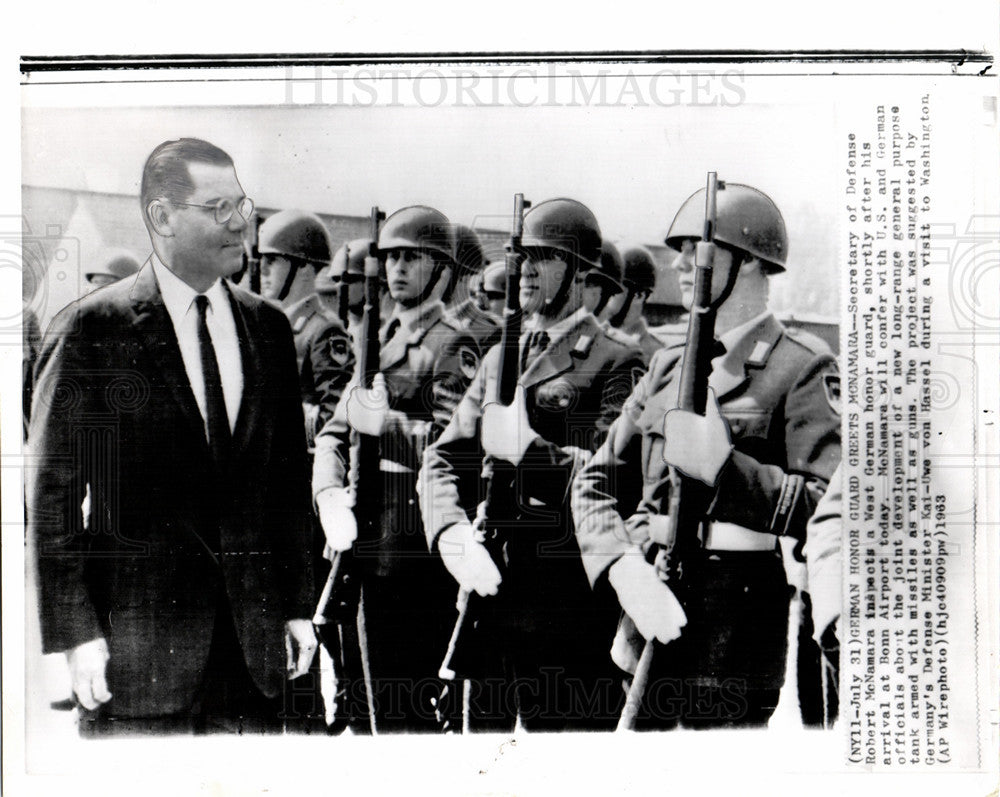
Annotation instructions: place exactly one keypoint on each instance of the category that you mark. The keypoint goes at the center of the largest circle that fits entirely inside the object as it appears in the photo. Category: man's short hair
(166, 172)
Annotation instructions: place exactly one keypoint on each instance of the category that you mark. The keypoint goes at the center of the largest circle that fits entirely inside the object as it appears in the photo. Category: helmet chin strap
(428, 291)
(294, 264)
(342, 307)
(619, 318)
(554, 308)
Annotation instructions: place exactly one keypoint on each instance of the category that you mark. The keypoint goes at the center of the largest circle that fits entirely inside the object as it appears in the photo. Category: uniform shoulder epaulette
(622, 338)
(814, 343)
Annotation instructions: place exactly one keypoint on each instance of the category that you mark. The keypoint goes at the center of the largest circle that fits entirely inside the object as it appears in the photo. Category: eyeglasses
(224, 208)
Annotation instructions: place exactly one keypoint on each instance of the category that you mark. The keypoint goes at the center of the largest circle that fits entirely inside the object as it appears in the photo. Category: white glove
(87, 663)
(336, 516)
(367, 410)
(467, 559)
(506, 431)
(646, 599)
(697, 446)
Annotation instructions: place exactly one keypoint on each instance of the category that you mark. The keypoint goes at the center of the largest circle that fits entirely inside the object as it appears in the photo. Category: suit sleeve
(602, 533)
(56, 481)
(289, 521)
(779, 499)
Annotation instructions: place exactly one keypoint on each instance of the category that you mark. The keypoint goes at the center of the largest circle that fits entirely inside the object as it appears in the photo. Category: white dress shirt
(179, 298)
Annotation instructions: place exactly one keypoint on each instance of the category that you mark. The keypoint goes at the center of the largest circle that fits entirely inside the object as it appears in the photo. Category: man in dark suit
(174, 398)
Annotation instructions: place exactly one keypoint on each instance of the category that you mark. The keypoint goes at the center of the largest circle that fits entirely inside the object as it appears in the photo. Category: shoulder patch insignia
(338, 350)
(468, 361)
(582, 347)
(831, 387)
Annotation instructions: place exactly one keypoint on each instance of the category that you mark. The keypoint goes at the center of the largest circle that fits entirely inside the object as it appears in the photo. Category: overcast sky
(632, 165)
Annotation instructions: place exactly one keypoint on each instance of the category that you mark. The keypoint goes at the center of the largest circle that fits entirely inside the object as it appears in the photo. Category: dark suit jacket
(113, 409)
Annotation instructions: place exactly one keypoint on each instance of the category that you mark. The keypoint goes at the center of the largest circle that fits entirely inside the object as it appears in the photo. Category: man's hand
(300, 646)
(697, 446)
(646, 599)
(368, 410)
(506, 431)
(336, 515)
(467, 560)
(87, 663)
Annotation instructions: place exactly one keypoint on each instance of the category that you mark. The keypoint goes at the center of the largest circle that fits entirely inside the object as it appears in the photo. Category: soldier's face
(540, 281)
(684, 266)
(408, 271)
(200, 243)
(273, 273)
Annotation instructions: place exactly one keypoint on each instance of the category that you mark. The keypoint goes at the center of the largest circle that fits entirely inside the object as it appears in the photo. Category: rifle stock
(684, 516)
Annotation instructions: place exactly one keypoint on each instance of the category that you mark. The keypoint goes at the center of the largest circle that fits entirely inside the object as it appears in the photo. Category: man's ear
(752, 265)
(158, 216)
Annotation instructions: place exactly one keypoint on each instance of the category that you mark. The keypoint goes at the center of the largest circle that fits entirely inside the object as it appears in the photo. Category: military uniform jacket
(427, 366)
(483, 328)
(778, 389)
(574, 390)
(325, 358)
(639, 336)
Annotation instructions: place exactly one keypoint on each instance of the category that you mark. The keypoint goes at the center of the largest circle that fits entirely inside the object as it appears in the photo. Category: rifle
(342, 583)
(685, 512)
(251, 257)
(498, 510)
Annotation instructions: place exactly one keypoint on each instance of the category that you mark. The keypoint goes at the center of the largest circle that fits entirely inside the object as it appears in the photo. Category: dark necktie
(219, 434)
(536, 343)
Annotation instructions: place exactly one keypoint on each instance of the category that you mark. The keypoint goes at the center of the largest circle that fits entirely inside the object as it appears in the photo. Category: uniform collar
(747, 346)
(422, 316)
(562, 328)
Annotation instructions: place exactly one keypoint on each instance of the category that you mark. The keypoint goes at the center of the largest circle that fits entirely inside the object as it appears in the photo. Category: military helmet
(469, 255)
(296, 234)
(418, 227)
(610, 265)
(639, 271)
(746, 219)
(566, 226)
(117, 264)
(348, 261)
(495, 278)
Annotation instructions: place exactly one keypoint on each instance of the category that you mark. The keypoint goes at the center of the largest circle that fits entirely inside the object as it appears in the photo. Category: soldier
(550, 633)
(494, 289)
(765, 458)
(460, 296)
(426, 365)
(624, 311)
(341, 287)
(294, 246)
(604, 281)
(117, 265)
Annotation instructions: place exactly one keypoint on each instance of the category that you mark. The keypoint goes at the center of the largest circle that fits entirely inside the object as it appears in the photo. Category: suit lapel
(156, 331)
(253, 375)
